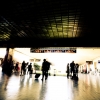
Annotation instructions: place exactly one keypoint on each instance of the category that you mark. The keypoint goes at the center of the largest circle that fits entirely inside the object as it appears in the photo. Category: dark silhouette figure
(76, 69)
(16, 67)
(72, 65)
(68, 70)
(30, 68)
(7, 68)
(23, 68)
(44, 69)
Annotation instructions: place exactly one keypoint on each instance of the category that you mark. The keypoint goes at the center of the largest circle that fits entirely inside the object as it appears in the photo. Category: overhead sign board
(53, 50)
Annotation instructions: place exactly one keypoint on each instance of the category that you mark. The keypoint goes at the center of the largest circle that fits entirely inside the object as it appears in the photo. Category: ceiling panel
(47, 19)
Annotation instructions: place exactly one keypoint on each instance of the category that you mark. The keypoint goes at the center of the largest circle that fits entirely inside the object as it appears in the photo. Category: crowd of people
(8, 68)
(72, 70)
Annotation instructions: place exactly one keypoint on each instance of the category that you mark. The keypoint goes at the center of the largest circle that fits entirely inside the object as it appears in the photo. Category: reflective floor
(55, 88)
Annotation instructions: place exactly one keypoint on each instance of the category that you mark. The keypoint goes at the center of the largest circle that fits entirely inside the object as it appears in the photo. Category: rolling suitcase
(37, 76)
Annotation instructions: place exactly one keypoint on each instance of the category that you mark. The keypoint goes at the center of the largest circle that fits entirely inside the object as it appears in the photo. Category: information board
(53, 50)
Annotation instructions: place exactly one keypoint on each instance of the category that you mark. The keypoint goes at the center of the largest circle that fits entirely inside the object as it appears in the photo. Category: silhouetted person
(23, 70)
(72, 65)
(44, 69)
(29, 68)
(16, 67)
(68, 70)
(7, 69)
(76, 67)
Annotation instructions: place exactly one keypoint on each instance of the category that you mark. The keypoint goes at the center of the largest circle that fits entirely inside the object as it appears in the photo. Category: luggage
(37, 76)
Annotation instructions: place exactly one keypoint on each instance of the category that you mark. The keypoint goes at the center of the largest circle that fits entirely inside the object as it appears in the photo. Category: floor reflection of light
(13, 88)
(25, 80)
(0, 73)
(30, 82)
(55, 90)
(0, 68)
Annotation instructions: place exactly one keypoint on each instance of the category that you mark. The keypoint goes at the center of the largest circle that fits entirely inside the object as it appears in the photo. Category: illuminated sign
(53, 50)
(35, 60)
(31, 60)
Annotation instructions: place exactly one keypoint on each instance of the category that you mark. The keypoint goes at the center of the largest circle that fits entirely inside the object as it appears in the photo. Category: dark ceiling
(50, 20)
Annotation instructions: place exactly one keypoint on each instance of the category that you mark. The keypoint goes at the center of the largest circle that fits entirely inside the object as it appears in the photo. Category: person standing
(7, 69)
(29, 68)
(68, 70)
(72, 65)
(23, 68)
(44, 69)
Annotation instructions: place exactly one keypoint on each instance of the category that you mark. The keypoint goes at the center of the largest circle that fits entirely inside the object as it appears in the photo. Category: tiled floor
(55, 88)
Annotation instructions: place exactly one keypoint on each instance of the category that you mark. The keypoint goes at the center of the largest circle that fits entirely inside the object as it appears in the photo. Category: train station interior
(60, 31)
(88, 74)
(87, 58)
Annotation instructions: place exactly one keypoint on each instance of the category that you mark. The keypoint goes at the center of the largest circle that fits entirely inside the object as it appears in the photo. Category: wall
(20, 57)
(95, 65)
(2, 52)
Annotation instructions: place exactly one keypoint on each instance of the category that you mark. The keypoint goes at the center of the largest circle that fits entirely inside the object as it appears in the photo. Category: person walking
(7, 69)
(44, 69)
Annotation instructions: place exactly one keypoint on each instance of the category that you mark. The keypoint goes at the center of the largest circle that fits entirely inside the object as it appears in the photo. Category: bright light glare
(2, 52)
(13, 88)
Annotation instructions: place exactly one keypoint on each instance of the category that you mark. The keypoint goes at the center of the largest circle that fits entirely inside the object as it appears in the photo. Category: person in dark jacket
(23, 68)
(72, 65)
(48, 68)
(44, 69)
